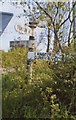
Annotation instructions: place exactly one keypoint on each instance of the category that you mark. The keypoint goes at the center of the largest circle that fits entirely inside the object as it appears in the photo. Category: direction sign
(23, 29)
(38, 55)
(42, 56)
(22, 26)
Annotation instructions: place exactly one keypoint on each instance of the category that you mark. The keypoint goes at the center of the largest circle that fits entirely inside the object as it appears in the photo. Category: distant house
(4, 20)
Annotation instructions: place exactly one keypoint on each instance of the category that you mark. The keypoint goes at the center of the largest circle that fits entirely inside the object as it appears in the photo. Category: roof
(4, 20)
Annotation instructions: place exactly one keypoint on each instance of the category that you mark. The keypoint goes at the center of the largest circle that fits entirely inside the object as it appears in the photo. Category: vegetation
(50, 93)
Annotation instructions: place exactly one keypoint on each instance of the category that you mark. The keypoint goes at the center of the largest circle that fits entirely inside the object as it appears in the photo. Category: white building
(10, 32)
(13, 14)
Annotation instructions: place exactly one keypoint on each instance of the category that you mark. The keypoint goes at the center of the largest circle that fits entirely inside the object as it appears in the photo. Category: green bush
(50, 93)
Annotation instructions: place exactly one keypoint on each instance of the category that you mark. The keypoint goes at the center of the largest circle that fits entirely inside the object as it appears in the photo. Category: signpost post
(31, 47)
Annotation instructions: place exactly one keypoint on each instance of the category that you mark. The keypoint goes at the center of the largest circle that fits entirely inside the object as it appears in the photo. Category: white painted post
(31, 47)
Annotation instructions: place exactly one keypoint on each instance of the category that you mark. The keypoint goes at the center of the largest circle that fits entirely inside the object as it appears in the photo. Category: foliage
(15, 59)
(50, 93)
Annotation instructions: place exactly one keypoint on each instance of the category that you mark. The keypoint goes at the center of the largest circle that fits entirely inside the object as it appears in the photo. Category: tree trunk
(69, 36)
(74, 24)
(55, 44)
(48, 44)
(57, 41)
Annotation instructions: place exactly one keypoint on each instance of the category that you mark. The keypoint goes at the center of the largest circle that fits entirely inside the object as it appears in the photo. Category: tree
(53, 14)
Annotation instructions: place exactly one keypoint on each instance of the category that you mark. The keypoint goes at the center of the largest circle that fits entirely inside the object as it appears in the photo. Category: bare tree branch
(56, 12)
(45, 12)
(70, 33)
(67, 17)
